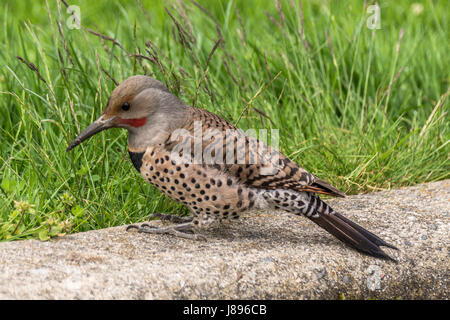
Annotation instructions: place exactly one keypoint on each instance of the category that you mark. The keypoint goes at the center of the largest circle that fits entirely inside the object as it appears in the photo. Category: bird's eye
(126, 106)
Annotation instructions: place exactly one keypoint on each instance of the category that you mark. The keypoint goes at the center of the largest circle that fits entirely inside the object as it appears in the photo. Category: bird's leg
(183, 230)
(169, 217)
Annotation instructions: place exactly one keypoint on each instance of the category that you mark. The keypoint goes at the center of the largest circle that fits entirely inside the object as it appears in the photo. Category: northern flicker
(204, 162)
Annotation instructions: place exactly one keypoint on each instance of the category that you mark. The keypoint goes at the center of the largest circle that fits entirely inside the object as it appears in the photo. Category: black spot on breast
(136, 159)
(293, 171)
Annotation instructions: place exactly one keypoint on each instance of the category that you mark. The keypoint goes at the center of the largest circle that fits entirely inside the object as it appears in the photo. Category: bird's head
(138, 104)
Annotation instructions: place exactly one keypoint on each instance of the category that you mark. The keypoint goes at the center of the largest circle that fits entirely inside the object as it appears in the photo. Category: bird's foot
(183, 230)
(169, 217)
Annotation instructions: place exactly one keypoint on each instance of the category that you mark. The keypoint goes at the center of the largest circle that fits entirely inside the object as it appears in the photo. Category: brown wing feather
(288, 175)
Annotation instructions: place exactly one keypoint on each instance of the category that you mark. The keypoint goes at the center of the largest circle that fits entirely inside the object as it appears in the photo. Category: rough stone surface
(264, 256)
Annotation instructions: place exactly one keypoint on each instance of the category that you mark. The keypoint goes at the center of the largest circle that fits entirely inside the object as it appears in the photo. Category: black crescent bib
(136, 159)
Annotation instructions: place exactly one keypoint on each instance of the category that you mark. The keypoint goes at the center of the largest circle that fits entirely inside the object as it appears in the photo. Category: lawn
(362, 107)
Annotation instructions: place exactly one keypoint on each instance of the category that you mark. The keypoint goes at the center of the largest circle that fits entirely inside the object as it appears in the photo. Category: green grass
(365, 110)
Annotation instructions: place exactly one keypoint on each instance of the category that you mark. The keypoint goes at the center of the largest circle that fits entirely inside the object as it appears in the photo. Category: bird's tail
(310, 205)
(348, 231)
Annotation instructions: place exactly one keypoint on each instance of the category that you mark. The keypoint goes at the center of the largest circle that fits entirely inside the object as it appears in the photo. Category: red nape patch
(134, 122)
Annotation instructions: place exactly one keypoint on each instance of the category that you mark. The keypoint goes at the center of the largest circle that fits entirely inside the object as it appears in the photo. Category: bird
(218, 171)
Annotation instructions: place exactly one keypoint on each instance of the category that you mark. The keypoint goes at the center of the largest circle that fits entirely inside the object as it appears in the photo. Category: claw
(132, 226)
(147, 225)
(182, 230)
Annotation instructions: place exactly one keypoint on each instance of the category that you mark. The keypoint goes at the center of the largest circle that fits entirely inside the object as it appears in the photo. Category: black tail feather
(369, 235)
(353, 234)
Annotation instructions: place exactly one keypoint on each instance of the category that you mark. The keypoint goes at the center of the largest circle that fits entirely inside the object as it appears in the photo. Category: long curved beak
(98, 125)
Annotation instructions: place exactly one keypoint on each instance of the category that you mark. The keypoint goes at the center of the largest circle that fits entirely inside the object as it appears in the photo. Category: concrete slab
(264, 256)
